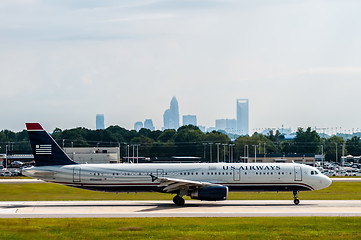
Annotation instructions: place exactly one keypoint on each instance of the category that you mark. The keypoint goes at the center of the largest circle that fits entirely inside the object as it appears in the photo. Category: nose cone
(325, 182)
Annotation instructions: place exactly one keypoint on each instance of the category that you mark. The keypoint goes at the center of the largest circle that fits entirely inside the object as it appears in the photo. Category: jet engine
(213, 193)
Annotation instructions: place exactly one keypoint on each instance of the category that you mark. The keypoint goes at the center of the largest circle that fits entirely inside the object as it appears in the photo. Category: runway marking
(249, 208)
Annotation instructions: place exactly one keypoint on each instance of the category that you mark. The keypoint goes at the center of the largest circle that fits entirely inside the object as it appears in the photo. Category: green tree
(330, 148)
(353, 146)
(306, 141)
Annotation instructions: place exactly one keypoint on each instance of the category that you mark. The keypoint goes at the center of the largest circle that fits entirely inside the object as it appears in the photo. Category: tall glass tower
(171, 115)
(99, 121)
(242, 117)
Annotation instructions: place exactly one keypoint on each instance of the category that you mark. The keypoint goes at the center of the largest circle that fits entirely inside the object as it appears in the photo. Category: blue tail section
(45, 150)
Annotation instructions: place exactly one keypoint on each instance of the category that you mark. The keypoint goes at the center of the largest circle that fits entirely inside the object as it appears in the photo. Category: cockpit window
(315, 172)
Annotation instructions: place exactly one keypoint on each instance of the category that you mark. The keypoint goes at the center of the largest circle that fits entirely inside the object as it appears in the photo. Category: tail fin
(46, 151)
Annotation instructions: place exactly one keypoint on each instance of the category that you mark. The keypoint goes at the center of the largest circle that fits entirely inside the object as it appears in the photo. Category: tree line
(190, 141)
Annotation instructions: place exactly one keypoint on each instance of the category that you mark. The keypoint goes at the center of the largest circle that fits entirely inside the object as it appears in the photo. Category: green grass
(183, 228)
(50, 191)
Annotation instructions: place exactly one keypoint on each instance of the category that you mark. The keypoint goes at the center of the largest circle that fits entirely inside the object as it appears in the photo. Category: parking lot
(335, 169)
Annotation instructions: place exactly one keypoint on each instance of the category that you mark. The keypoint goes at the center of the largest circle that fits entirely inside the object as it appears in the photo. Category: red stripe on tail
(34, 126)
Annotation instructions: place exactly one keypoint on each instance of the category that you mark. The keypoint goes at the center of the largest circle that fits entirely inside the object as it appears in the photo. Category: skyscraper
(99, 121)
(171, 115)
(228, 125)
(138, 126)
(148, 124)
(190, 120)
(242, 117)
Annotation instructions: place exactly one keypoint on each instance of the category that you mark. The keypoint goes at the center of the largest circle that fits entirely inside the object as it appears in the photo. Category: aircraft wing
(173, 184)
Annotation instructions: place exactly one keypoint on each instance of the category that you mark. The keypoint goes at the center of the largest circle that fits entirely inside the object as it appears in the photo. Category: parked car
(350, 173)
(6, 174)
(15, 172)
(17, 164)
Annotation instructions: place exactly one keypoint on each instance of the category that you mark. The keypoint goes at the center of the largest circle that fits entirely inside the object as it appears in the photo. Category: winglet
(34, 127)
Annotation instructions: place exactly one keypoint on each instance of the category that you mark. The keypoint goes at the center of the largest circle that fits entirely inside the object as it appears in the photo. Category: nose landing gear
(295, 197)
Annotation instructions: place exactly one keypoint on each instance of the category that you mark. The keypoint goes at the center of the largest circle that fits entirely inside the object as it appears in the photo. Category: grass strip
(183, 228)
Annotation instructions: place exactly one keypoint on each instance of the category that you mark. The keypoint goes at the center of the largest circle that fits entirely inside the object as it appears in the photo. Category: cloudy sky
(63, 61)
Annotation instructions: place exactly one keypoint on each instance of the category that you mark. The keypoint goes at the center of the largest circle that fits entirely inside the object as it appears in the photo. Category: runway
(131, 209)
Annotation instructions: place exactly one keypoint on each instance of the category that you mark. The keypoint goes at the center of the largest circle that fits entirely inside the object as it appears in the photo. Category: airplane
(202, 181)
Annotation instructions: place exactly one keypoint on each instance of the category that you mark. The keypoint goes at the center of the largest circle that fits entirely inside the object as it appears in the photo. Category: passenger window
(312, 173)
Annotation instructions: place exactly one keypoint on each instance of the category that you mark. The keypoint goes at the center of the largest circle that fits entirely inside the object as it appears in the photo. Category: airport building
(94, 155)
(308, 159)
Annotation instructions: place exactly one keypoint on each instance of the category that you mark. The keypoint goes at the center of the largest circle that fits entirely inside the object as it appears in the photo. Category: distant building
(138, 126)
(221, 124)
(211, 129)
(171, 115)
(202, 128)
(242, 117)
(231, 125)
(99, 121)
(94, 155)
(228, 125)
(190, 120)
(148, 124)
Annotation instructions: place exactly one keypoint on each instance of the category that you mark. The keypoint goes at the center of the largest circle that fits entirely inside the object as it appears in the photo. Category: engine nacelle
(213, 193)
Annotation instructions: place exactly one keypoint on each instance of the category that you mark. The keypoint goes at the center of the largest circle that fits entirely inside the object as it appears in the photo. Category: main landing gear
(179, 201)
(295, 197)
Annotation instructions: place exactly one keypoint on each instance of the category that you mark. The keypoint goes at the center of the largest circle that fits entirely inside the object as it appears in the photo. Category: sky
(63, 61)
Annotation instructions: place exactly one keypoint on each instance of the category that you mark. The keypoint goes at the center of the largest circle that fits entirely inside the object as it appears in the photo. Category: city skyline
(297, 61)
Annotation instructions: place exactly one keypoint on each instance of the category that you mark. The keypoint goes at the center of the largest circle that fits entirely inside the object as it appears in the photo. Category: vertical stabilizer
(45, 150)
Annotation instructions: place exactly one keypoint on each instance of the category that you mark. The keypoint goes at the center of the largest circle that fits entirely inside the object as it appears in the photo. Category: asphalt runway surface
(193, 208)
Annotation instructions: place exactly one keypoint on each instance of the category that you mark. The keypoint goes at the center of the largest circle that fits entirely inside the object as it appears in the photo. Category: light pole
(128, 153)
(336, 153)
(137, 153)
(6, 157)
(210, 152)
(264, 152)
(322, 155)
(255, 152)
(224, 151)
(217, 152)
(343, 154)
(133, 153)
(233, 152)
(204, 151)
(246, 152)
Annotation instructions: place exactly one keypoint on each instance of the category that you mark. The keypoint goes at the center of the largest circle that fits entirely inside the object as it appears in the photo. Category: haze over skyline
(62, 62)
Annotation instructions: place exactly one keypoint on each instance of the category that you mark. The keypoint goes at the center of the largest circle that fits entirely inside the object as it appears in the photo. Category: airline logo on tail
(43, 149)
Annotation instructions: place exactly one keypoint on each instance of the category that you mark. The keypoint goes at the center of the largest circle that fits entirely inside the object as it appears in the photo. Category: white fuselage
(137, 177)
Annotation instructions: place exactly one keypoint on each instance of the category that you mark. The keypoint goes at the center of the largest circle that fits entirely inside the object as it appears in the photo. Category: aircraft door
(160, 173)
(76, 174)
(237, 174)
(298, 174)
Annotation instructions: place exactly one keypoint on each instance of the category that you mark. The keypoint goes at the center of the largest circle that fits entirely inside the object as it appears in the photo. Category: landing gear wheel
(178, 201)
(295, 197)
